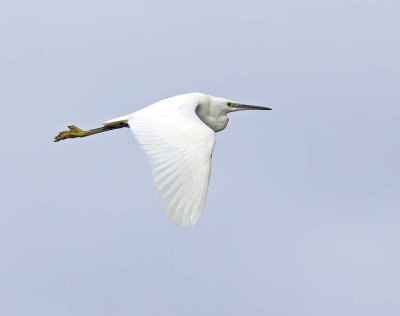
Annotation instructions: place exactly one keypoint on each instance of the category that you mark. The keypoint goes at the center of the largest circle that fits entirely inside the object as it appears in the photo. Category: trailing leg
(74, 131)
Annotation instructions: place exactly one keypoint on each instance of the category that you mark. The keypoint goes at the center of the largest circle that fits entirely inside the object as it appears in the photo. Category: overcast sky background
(303, 211)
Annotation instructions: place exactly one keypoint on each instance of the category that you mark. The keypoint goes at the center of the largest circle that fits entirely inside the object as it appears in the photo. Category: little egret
(178, 136)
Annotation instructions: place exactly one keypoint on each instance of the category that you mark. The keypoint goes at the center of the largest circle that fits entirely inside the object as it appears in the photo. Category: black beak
(249, 107)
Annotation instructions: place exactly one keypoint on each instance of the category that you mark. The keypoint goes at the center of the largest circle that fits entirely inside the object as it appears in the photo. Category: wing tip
(187, 222)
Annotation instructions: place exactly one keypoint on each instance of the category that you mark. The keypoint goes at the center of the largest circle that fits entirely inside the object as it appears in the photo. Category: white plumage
(178, 136)
(179, 146)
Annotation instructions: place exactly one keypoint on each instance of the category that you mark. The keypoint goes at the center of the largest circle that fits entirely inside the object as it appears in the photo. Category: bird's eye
(229, 104)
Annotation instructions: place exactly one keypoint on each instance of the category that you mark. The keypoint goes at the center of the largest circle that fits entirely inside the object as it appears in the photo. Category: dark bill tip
(249, 107)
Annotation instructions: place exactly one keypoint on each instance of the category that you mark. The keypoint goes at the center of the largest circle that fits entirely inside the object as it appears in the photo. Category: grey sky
(303, 211)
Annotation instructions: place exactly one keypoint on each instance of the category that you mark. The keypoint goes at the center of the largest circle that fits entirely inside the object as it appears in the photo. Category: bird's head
(227, 106)
(213, 110)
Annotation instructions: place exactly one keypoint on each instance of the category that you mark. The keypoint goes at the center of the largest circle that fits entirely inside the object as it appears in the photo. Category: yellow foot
(72, 133)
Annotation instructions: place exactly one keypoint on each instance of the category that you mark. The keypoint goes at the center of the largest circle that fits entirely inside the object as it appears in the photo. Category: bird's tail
(123, 120)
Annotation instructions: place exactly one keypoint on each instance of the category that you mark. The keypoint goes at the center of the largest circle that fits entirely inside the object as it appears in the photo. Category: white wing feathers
(179, 146)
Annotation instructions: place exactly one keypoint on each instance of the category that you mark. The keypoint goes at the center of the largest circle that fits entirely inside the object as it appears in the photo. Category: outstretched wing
(179, 146)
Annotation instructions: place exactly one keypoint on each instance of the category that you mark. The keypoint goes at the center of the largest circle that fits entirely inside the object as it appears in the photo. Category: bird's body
(206, 109)
(178, 136)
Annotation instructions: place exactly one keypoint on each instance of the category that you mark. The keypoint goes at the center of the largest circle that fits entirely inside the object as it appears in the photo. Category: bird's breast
(215, 123)
(219, 124)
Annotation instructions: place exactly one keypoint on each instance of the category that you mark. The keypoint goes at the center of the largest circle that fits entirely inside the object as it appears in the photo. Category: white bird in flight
(178, 136)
